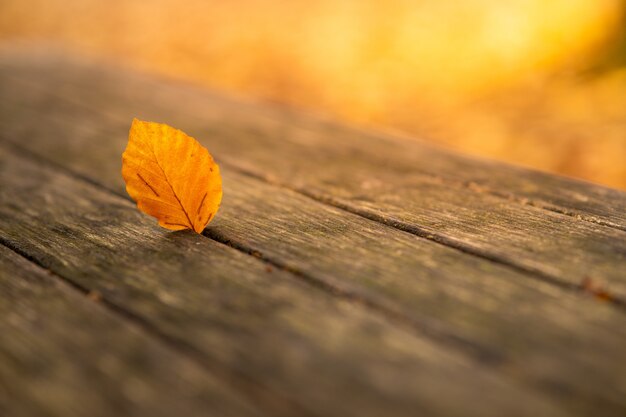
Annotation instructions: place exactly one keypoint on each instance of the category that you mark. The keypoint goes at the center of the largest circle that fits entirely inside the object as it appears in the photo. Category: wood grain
(63, 354)
(503, 319)
(181, 103)
(557, 348)
(406, 185)
(238, 316)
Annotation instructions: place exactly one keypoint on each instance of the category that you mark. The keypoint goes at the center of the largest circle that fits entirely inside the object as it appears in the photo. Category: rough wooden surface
(312, 349)
(52, 362)
(239, 120)
(383, 180)
(430, 288)
(416, 280)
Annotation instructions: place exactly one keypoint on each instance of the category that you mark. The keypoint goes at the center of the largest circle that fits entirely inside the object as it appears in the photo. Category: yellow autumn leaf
(171, 176)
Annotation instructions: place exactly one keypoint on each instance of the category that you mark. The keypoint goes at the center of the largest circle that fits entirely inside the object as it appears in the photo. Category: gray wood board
(62, 354)
(520, 324)
(375, 177)
(327, 356)
(186, 104)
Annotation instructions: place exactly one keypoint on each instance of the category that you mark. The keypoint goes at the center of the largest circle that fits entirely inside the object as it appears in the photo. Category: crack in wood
(518, 199)
(426, 327)
(254, 390)
(398, 225)
(422, 233)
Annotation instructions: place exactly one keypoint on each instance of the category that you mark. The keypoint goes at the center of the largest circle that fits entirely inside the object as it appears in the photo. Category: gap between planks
(266, 398)
(319, 283)
(416, 230)
(433, 237)
(473, 186)
(422, 326)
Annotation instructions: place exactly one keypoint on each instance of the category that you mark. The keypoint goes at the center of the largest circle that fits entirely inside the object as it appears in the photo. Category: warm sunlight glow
(500, 79)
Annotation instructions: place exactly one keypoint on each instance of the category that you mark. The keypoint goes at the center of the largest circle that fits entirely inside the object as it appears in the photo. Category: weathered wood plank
(521, 324)
(332, 357)
(581, 199)
(382, 181)
(585, 200)
(62, 354)
(262, 235)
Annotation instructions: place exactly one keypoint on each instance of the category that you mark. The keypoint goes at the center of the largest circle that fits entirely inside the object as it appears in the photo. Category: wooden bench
(348, 272)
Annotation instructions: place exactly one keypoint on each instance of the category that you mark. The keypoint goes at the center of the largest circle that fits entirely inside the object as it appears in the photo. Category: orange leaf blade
(171, 176)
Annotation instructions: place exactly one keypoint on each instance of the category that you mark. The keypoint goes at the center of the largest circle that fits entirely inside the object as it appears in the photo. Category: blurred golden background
(532, 82)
